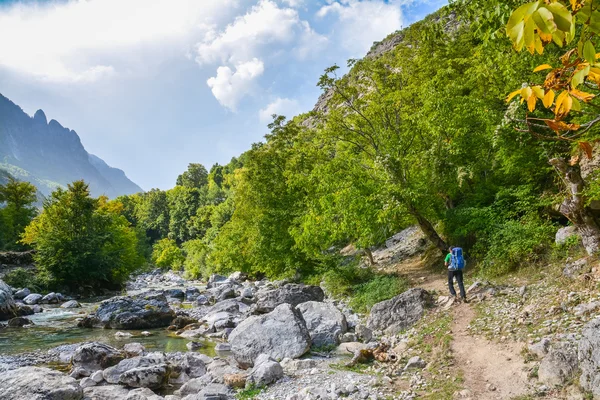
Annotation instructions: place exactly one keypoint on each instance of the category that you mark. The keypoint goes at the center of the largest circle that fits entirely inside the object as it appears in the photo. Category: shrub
(23, 278)
(196, 255)
(166, 254)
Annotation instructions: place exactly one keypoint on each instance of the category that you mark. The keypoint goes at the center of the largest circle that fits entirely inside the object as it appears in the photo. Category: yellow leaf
(548, 99)
(559, 100)
(512, 95)
(542, 67)
(531, 102)
(538, 91)
(563, 105)
(526, 92)
(582, 95)
(576, 104)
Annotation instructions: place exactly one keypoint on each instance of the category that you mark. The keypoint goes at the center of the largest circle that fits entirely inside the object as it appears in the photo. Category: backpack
(458, 261)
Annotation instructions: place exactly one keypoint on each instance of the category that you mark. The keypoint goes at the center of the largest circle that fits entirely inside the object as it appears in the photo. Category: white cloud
(359, 23)
(76, 41)
(281, 106)
(247, 36)
(294, 3)
(230, 87)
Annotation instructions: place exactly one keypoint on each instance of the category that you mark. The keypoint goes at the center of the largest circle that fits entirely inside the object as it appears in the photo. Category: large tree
(18, 211)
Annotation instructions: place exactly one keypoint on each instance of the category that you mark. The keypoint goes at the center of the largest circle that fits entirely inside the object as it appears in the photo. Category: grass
(359, 368)
(249, 393)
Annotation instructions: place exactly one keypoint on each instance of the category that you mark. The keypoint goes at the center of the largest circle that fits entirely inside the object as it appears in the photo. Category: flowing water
(57, 326)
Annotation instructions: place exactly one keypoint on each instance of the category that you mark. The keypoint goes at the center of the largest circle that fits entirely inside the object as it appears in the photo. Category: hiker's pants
(458, 274)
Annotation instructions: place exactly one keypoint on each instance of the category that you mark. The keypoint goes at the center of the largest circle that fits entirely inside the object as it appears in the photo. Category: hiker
(455, 263)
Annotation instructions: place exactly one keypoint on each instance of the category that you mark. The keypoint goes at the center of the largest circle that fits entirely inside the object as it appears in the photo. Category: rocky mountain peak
(40, 117)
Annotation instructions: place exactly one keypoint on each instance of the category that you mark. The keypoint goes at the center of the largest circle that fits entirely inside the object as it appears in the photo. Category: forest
(479, 126)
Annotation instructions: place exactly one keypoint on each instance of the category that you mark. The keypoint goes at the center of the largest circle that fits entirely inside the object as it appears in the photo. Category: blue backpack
(458, 261)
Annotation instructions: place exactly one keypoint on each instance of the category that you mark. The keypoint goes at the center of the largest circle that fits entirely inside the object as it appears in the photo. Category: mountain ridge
(50, 155)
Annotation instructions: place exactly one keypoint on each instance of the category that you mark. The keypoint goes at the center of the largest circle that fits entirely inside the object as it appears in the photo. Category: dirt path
(490, 370)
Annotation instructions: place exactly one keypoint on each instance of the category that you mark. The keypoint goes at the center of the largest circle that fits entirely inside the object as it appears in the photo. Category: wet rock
(279, 334)
(8, 308)
(71, 304)
(19, 322)
(324, 322)
(21, 294)
(32, 299)
(399, 313)
(589, 357)
(34, 383)
(123, 335)
(91, 357)
(265, 371)
(52, 298)
(23, 310)
(183, 321)
(290, 293)
(193, 346)
(144, 311)
(559, 365)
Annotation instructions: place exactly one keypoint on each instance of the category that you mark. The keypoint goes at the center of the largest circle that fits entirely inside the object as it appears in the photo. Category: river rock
(71, 304)
(87, 382)
(589, 358)
(214, 280)
(213, 391)
(238, 277)
(194, 386)
(174, 293)
(19, 322)
(559, 365)
(265, 371)
(114, 373)
(324, 321)
(279, 334)
(143, 394)
(143, 311)
(191, 293)
(21, 294)
(8, 308)
(108, 392)
(33, 298)
(34, 383)
(399, 313)
(363, 333)
(194, 365)
(290, 293)
(153, 377)
(95, 356)
(52, 298)
(134, 349)
(23, 310)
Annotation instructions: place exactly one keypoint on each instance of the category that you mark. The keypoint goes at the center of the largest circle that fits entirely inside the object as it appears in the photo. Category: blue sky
(152, 85)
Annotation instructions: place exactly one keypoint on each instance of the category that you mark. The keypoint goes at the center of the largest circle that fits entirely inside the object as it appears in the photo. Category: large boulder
(21, 294)
(143, 311)
(34, 383)
(116, 373)
(589, 357)
(152, 377)
(265, 371)
(109, 392)
(565, 233)
(8, 308)
(399, 313)
(281, 333)
(290, 293)
(32, 299)
(95, 356)
(560, 364)
(324, 322)
(213, 391)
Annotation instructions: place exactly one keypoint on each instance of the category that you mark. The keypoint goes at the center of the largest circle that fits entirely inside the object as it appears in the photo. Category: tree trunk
(369, 255)
(574, 208)
(429, 230)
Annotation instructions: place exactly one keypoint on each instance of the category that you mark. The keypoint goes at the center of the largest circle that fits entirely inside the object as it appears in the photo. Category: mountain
(49, 155)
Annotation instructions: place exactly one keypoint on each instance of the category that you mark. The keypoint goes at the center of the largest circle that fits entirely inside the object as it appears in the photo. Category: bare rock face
(8, 307)
(559, 365)
(290, 293)
(399, 313)
(588, 355)
(564, 233)
(281, 333)
(33, 383)
(144, 311)
(324, 321)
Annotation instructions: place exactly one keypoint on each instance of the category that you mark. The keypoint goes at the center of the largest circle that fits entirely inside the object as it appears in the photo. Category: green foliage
(166, 254)
(17, 212)
(196, 176)
(82, 242)
(249, 393)
(196, 259)
(23, 278)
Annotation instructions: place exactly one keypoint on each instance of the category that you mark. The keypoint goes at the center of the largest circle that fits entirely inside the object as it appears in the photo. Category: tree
(82, 242)
(196, 176)
(18, 212)
(153, 214)
(568, 113)
(166, 254)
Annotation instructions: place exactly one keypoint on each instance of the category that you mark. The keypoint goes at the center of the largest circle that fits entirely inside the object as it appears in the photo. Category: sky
(152, 85)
